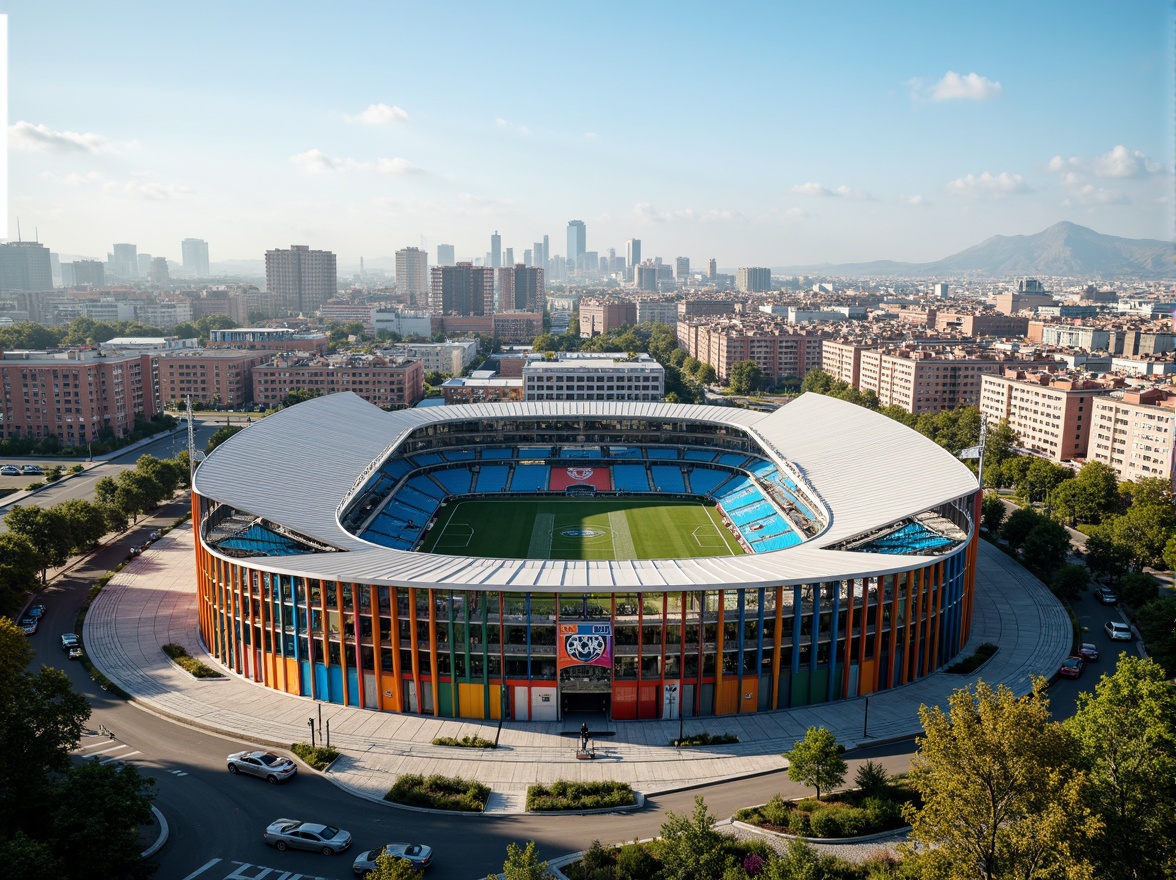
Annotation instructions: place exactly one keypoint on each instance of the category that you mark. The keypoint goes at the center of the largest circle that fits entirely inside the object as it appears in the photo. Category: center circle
(581, 533)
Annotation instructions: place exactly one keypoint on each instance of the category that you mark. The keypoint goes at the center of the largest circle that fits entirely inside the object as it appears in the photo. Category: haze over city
(765, 134)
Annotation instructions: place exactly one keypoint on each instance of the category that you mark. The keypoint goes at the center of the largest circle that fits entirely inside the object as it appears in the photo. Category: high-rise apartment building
(123, 261)
(195, 256)
(1052, 414)
(1133, 431)
(90, 272)
(645, 277)
(712, 268)
(302, 279)
(753, 279)
(25, 265)
(495, 250)
(521, 289)
(600, 315)
(445, 255)
(681, 268)
(577, 243)
(158, 273)
(633, 251)
(412, 274)
(464, 289)
(538, 257)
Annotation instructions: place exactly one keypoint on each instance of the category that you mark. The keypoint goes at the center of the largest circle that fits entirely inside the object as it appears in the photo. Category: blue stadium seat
(530, 478)
(492, 478)
(455, 480)
(668, 478)
(630, 478)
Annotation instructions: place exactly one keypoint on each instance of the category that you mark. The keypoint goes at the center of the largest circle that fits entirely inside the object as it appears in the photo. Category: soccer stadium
(527, 560)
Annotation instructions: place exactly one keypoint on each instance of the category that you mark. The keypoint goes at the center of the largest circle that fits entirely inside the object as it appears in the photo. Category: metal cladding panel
(294, 468)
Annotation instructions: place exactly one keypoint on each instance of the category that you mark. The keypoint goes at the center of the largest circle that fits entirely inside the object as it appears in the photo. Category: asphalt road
(216, 819)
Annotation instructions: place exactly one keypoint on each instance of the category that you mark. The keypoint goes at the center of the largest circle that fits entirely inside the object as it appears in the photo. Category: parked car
(1088, 652)
(9, 471)
(418, 854)
(1072, 667)
(37, 611)
(70, 641)
(75, 653)
(29, 625)
(1106, 595)
(1116, 631)
(265, 765)
(31, 469)
(294, 834)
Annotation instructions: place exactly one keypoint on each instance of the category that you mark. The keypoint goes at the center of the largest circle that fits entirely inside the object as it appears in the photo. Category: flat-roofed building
(654, 311)
(1051, 413)
(268, 339)
(1133, 432)
(464, 289)
(780, 350)
(212, 377)
(303, 279)
(593, 376)
(450, 357)
(601, 315)
(481, 389)
(391, 384)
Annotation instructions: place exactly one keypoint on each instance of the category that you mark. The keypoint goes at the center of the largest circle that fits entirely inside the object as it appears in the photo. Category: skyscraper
(577, 242)
(712, 268)
(546, 264)
(445, 255)
(124, 261)
(681, 268)
(195, 255)
(412, 274)
(25, 265)
(158, 273)
(300, 278)
(633, 251)
(521, 289)
(496, 250)
(508, 257)
(464, 289)
(753, 279)
(538, 256)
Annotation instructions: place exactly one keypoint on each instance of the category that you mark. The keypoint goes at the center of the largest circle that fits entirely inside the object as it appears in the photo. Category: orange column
(433, 654)
(848, 652)
(718, 653)
(906, 629)
(412, 646)
(397, 672)
(777, 637)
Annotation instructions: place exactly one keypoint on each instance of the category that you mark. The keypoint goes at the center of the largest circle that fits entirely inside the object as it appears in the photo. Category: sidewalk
(152, 602)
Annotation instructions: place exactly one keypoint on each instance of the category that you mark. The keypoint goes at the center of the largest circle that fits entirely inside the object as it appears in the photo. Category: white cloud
(647, 212)
(41, 138)
(988, 185)
(954, 87)
(842, 192)
(317, 162)
(506, 124)
(914, 201)
(1089, 194)
(379, 114)
(589, 135)
(1121, 162)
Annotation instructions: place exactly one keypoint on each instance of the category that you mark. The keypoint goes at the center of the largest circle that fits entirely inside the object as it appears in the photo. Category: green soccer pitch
(579, 528)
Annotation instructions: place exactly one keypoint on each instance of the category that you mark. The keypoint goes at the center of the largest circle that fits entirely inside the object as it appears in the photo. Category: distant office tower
(589, 262)
(712, 268)
(496, 250)
(158, 273)
(940, 290)
(753, 279)
(633, 251)
(412, 274)
(577, 242)
(445, 255)
(25, 265)
(645, 277)
(528, 257)
(521, 289)
(195, 254)
(538, 257)
(546, 254)
(464, 289)
(88, 272)
(681, 268)
(145, 265)
(124, 261)
(508, 257)
(301, 279)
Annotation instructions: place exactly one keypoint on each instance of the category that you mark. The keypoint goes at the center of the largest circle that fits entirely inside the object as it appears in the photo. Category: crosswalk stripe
(104, 751)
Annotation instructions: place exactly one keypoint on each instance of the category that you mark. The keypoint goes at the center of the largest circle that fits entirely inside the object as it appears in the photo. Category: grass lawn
(579, 528)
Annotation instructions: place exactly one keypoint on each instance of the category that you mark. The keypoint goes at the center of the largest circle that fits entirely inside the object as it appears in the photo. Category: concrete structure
(632, 253)
(301, 278)
(681, 268)
(76, 395)
(521, 289)
(164, 315)
(194, 252)
(123, 262)
(445, 255)
(385, 383)
(210, 377)
(1134, 431)
(753, 279)
(577, 244)
(401, 322)
(83, 273)
(496, 250)
(645, 277)
(25, 265)
(878, 593)
(481, 389)
(412, 275)
(601, 315)
(516, 328)
(268, 339)
(1014, 302)
(657, 311)
(593, 376)
(463, 290)
(781, 351)
(1051, 413)
(450, 357)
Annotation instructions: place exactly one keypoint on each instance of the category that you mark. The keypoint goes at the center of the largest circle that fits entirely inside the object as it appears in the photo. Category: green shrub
(181, 657)
(837, 820)
(564, 795)
(318, 757)
(635, 860)
(705, 739)
(466, 742)
(798, 823)
(972, 662)
(439, 793)
(872, 778)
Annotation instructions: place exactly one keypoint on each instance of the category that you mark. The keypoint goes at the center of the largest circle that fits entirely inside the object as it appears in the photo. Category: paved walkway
(152, 602)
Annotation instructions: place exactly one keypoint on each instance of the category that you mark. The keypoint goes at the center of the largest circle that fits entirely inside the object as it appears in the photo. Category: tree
(87, 522)
(1001, 796)
(1069, 581)
(691, 848)
(165, 472)
(1041, 477)
(523, 864)
(1018, 526)
(137, 493)
(47, 530)
(1105, 557)
(393, 868)
(1126, 737)
(998, 448)
(19, 570)
(1137, 588)
(992, 512)
(99, 808)
(221, 435)
(1144, 530)
(746, 377)
(1045, 548)
(1147, 492)
(298, 395)
(816, 761)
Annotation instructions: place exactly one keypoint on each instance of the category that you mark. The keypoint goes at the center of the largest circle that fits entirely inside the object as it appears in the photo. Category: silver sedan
(294, 834)
(264, 765)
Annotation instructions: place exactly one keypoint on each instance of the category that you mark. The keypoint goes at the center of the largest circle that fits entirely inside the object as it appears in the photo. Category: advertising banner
(584, 644)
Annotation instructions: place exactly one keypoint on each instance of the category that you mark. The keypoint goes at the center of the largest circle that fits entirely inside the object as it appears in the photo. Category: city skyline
(767, 136)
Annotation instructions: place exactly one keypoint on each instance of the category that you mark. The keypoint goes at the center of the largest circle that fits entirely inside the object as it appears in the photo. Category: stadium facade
(859, 539)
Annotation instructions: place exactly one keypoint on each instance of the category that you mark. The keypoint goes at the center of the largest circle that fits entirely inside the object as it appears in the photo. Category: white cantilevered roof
(294, 468)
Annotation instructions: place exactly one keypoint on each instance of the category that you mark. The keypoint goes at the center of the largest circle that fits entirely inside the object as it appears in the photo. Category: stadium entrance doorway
(578, 703)
(585, 689)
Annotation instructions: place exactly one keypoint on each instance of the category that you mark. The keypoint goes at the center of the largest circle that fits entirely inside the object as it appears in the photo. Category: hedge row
(563, 795)
(439, 793)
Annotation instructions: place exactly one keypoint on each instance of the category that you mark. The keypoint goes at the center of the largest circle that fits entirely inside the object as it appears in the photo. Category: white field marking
(622, 537)
(449, 538)
(718, 534)
(542, 534)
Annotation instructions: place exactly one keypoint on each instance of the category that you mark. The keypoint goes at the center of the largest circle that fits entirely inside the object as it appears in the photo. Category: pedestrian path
(152, 602)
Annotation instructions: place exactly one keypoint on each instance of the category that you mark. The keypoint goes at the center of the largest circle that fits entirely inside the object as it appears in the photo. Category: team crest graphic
(580, 473)
(581, 533)
(585, 648)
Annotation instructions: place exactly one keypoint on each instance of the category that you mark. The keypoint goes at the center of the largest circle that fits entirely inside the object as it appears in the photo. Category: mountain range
(1064, 249)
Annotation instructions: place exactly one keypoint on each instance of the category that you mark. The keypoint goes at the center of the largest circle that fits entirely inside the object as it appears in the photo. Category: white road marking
(201, 869)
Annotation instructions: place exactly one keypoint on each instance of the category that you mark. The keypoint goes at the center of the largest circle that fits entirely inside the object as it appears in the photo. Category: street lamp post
(310, 724)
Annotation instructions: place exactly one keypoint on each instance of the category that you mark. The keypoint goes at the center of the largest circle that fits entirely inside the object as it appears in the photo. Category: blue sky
(756, 133)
